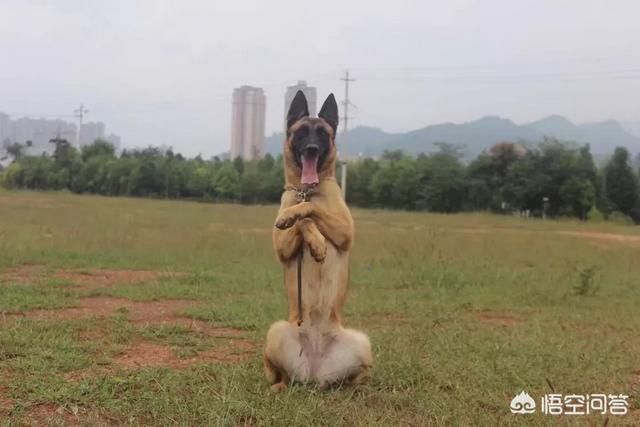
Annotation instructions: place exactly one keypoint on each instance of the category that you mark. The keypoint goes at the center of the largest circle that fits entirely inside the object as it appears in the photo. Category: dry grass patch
(49, 414)
(160, 313)
(85, 278)
(497, 318)
(146, 354)
(384, 321)
(136, 312)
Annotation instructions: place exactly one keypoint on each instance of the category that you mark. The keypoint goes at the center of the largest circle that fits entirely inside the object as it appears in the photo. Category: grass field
(144, 312)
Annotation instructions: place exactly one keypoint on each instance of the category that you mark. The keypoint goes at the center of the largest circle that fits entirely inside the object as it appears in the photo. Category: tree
(381, 185)
(559, 172)
(36, 171)
(453, 150)
(238, 164)
(271, 180)
(15, 150)
(405, 187)
(360, 176)
(64, 154)
(266, 164)
(392, 155)
(12, 177)
(621, 184)
(99, 148)
(580, 196)
(488, 175)
(443, 183)
(439, 182)
(249, 187)
(226, 181)
(525, 183)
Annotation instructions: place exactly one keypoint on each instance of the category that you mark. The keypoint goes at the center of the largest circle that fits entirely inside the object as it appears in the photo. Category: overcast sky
(162, 72)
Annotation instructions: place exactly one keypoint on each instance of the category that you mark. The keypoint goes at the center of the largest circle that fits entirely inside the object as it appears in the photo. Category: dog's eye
(301, 133)
(321, 132)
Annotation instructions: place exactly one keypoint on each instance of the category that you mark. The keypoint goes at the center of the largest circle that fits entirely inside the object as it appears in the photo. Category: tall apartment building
(248, 122)
(309, 93)
(90, 132)
(5, 130)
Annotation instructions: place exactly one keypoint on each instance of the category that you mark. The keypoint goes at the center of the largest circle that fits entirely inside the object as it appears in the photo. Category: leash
(302, 195)
(300, 253)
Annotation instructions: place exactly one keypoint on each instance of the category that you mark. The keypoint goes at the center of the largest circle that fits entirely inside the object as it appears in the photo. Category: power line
(345, 130)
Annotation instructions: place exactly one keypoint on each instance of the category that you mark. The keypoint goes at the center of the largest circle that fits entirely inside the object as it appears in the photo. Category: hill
(479, 134)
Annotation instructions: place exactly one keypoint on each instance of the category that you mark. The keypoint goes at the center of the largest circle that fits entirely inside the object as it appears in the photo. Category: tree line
(553, 178)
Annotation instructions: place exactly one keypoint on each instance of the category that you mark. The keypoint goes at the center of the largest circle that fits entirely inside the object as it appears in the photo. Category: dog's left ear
(298, 109)
(329, 112)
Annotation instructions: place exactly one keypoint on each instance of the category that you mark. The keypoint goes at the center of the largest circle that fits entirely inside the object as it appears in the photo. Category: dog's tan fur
(321, 350)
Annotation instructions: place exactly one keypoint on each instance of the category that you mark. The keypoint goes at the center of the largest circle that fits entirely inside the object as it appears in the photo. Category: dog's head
(310, 148)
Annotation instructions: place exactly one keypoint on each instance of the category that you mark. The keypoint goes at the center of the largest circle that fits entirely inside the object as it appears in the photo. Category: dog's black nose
(311, 150)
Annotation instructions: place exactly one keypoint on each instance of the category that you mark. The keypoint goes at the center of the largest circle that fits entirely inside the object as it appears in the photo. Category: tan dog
(320, 350)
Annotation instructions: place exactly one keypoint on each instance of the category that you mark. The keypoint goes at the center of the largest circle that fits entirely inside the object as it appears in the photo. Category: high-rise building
(309, 93)
(247, 123)
(90, 132)
(5, 129)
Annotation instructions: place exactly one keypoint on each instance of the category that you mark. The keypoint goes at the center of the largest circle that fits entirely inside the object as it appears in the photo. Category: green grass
(464, 312)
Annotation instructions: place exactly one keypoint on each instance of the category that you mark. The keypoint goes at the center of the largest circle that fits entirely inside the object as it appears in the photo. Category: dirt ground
(232, 344)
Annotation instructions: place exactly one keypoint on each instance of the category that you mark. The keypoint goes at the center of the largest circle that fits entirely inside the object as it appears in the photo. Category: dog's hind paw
(278, 387)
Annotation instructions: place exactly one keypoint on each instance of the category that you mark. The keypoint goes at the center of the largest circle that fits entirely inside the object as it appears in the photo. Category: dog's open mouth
(309, 170)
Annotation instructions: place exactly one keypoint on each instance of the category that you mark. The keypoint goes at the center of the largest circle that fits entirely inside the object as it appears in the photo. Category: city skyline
(160, 73)
(35, 133)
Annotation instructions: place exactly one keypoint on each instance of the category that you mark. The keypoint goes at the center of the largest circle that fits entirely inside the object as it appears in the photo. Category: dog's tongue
(309, 171)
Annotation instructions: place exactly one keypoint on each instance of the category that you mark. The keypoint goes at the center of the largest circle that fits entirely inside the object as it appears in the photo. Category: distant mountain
(273, 143)
(632, 127)
(603, 136)
(475, 136)
(479, 134)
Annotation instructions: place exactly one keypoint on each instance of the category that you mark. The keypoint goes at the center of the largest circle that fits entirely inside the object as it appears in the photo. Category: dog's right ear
(298, 109)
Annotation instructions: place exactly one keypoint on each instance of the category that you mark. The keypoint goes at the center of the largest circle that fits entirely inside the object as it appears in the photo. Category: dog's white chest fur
(320, 286)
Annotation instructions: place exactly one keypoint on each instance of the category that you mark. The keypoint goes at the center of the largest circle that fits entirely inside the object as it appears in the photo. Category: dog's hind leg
(283, 359)
(346, 360)
(276, 376)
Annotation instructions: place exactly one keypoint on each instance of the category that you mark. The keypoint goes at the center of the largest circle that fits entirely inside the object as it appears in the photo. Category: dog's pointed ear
(298, 109)
(329, 112)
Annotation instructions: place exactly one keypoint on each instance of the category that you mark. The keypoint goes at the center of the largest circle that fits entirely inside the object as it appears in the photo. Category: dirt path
(622, 238)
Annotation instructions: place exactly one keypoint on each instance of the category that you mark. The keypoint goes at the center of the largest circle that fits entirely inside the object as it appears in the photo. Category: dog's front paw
(318, 249)
(285, 221)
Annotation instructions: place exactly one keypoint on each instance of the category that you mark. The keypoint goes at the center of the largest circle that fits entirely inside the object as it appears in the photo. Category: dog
(312, 346)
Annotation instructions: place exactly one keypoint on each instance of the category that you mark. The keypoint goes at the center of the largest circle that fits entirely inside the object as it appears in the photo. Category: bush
(594, 215)
(620, 218)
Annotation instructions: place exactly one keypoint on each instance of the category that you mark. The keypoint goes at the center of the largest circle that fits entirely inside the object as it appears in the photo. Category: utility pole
(345, 120)
(79, 113)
